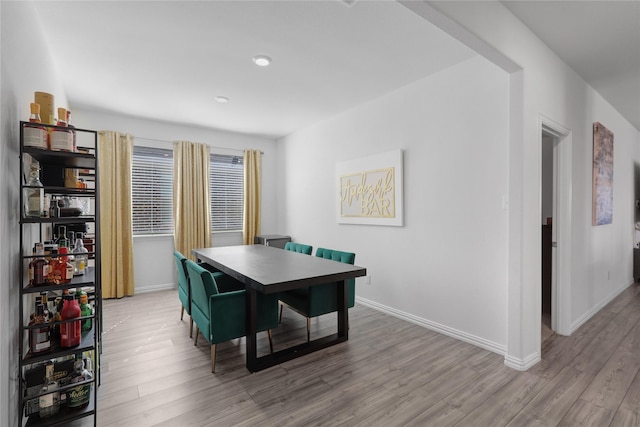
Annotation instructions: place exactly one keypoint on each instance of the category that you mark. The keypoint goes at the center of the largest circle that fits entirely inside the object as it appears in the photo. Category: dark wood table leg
(252, 329)
(343, 309)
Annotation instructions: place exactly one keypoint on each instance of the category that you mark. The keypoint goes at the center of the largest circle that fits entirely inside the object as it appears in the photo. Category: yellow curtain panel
(252, 195)
(116, 233)
(191, 197)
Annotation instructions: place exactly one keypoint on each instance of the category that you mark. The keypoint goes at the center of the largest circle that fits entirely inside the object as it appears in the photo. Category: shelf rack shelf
(33, 230)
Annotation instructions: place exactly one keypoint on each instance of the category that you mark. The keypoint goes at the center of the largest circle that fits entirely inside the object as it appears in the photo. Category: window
(152, 190)
(226, 180)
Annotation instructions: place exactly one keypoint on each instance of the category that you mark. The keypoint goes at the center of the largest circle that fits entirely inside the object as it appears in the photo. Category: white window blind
(226, 180)
(152, 191)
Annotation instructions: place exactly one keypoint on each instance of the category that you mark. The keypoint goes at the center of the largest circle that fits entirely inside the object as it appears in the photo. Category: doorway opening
(555, 220)
(548, 198)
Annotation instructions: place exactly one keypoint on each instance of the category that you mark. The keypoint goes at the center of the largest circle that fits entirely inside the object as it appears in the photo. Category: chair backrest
(345, 257)
(184, 290)
(182, 272)
(322, 307)
(298, 247)
(202, 285)
(221, 316)
(202, 282)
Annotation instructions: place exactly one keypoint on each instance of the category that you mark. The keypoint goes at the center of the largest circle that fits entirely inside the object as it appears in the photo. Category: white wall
(26, 67)
(154, 268)
(600, 257)
(446, 268)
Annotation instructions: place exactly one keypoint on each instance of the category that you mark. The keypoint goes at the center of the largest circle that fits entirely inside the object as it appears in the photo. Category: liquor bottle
(80, 254)
(65, 265)
(48, 316)
(62, 242)
(61, 136)
(49, 403)
(53, 268)
(38, 268)
(72, 127)
(78, 397)
(85, 310)
(54, 210)
(70, 332)
(34, 194)
(39, 338)
(33, 135)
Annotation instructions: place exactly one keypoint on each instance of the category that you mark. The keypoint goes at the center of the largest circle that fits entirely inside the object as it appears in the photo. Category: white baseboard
(596, 308)
(446, 330)
(522, 364)
(153, 288)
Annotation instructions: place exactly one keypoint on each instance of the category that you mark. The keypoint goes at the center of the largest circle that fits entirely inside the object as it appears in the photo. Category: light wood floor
(389, 373)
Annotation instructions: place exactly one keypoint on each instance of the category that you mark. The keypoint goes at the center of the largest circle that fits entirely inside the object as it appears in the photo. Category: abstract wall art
(602, 175)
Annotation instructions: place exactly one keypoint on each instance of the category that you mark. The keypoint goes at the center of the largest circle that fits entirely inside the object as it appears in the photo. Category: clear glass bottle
(81, 256)
(50, 402)
(33, 135)
(34, 194)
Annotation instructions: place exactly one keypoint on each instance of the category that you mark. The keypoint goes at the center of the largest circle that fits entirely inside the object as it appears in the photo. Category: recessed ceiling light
(261, 60)
(222, 99)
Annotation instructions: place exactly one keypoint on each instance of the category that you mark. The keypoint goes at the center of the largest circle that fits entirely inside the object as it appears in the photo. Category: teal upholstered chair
(184, 293)
(184, 290)
(221, 316)
(298, 247)
(320, 299)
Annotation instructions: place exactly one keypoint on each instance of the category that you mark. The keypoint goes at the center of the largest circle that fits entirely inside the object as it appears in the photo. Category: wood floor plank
(612, 382)
(631, 401)
(390, 372)
(587, 414)
(507, 402)
(549, 406)
(625, 418)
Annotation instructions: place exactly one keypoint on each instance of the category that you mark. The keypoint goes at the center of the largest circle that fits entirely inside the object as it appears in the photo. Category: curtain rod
(171, 142)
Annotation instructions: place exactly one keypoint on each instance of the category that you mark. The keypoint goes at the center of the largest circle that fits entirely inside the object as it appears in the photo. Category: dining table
(271, 270)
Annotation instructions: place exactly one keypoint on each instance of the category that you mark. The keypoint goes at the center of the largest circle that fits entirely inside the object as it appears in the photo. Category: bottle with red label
(39, 338)
(38, 268)
(70, 332)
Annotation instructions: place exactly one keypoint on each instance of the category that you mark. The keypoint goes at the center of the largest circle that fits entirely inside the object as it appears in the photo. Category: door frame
(561, 254)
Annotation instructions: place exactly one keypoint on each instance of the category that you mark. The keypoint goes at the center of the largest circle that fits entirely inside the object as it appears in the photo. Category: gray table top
(271, 270)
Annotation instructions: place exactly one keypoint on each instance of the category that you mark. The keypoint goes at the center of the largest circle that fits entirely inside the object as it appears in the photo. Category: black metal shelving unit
(33, 230)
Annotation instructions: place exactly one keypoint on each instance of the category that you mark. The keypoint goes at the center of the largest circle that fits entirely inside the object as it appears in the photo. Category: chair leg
(195, 341)
(182, 312)
(281, 307)
(213, 358)
(308, 329)
(270, 340)
(190, 327)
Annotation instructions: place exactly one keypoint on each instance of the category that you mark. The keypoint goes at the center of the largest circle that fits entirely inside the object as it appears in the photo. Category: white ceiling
(600, 40)
(168, 60)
